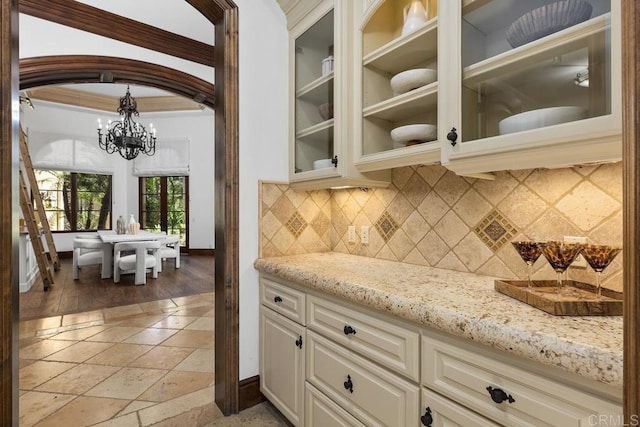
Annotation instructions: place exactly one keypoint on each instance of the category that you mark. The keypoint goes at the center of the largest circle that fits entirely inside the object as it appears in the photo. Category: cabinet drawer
(392, 346)
(285, 300)
(320, 411)
(445, 413)
(372, 394)
(465, 377)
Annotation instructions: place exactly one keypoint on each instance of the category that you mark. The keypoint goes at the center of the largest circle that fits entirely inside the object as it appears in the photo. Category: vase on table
(120, 227)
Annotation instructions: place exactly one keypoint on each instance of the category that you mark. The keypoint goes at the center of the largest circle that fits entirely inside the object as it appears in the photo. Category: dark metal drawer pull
(427, 418)
(348, 385)
(299, 342)
(277, 299)
(498, 395)
(349, 330)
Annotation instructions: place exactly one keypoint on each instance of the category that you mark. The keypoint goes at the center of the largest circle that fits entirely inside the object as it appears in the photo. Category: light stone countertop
(465, 305)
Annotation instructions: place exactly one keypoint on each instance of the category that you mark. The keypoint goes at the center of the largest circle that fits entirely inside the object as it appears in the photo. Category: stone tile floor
(148, 364)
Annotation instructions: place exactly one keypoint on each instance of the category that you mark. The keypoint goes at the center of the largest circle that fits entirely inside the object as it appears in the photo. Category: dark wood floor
(90, 292)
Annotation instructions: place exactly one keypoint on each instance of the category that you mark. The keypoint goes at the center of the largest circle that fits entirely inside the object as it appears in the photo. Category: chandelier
(126, 136)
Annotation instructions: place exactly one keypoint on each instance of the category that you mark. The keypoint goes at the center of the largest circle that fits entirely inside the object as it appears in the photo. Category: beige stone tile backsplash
(430, 216)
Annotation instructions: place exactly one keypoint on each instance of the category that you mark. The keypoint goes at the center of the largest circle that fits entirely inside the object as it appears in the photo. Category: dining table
(111, 237)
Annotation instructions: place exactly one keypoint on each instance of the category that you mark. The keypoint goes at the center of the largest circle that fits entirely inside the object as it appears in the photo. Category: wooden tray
(579, 299)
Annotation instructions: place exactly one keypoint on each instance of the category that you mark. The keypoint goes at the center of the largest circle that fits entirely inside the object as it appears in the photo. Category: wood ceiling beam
(82, 17)
(65, 69)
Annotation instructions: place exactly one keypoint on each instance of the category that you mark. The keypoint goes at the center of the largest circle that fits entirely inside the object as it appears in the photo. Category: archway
(224, 15)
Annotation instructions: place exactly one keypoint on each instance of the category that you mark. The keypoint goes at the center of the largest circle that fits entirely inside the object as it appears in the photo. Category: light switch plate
(364, 234)
(579, 262)
(351, 234)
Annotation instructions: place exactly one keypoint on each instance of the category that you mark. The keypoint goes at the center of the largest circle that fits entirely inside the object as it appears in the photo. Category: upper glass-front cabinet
(321, 110)
(314, 95)
(398, 78)
(532, 83)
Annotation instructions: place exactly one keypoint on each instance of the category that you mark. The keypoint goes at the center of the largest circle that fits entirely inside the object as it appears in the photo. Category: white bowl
(412, 79)
(322, 163)
(547, 20)
(540, 118)
(421, 132)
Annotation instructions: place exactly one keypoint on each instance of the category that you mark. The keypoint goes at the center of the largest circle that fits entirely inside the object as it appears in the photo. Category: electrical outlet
(364, 234)
(579, 262)
(351, 234)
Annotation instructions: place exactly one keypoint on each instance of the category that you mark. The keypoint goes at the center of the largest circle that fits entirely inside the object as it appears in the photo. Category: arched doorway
(224, 16)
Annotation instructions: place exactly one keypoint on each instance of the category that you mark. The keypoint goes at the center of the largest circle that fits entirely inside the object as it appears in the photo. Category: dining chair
(145, 257)
(88, 251)
(170, 248)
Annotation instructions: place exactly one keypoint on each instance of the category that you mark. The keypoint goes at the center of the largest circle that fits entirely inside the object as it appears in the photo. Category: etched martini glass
(599, 257)
(560, 255)
(529, 252)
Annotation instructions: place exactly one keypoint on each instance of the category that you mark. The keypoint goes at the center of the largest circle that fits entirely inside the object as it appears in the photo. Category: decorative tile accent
(495, 230)
(296, 224)
(386, 226)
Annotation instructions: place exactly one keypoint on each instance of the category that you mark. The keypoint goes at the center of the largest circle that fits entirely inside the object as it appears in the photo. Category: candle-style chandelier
(126, 136)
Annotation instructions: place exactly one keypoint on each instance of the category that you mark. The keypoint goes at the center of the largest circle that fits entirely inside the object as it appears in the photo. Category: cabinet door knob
(498, 395)
(299, 342)
(427, 418)
(348, 385)
(334, 161)
(277, 299)
(453, 136)
(349, 330)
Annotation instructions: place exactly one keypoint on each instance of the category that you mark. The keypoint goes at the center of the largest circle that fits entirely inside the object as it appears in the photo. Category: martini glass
(529, 252)
(560, 255)
(599, 257)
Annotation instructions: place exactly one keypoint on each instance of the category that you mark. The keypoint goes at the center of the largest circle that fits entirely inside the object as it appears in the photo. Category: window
(75, 201)
(163, 205)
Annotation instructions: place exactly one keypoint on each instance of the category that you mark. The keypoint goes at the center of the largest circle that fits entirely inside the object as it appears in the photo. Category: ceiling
(191, 24)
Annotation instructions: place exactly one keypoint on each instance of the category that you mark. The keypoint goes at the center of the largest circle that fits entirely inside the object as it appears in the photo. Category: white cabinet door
(438, 411)
(282, 364)
(521, 97)
(321, 108)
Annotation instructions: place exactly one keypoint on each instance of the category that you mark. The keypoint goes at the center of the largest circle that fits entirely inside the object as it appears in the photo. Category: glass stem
(598, 289)
(529, 272)
(559, 282)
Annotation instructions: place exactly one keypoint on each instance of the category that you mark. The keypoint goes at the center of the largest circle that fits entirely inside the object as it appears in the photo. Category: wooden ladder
(33, 225)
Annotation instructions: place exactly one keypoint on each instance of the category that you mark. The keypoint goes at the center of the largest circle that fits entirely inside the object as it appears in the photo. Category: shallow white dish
(540, 118)
(547, 20)
(420, 132)
(412, 79)
(322, 163)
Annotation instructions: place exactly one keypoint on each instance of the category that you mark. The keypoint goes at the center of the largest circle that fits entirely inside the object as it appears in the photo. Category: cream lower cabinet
(357, 366)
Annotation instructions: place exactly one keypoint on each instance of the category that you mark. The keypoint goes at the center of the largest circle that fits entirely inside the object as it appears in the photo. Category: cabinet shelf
(318, 90)
(400, 54)
(321, 132)
(562, 42)
(408, 104)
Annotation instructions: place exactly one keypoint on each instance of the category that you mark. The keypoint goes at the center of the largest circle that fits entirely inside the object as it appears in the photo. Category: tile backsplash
(430, 216)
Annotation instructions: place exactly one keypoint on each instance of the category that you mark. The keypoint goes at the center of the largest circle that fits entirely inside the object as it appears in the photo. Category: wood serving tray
(579, 299)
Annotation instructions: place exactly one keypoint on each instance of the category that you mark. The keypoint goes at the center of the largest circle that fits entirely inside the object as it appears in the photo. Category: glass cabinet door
(532, 64)
(534, 74)
(314, 94)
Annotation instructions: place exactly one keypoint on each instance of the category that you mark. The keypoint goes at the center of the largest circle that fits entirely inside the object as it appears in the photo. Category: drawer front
(320, 411)
(390, 345)
(372, 394)
(471, 379)
(285, 300)
(444, 413)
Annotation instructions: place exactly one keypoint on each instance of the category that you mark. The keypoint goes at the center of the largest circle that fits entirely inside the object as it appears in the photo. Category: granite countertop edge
(464, 305)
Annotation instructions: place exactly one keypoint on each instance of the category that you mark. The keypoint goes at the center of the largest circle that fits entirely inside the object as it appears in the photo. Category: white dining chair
(88, 251)
(146, 257)
(170, 248)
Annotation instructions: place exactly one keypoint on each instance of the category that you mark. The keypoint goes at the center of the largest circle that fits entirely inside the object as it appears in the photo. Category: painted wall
(263, 123)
